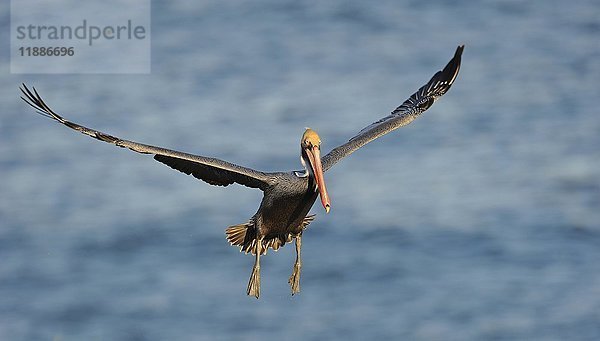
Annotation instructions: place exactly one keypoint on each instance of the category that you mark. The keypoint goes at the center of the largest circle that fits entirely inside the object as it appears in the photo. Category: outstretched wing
(403, 115)
(213, 171)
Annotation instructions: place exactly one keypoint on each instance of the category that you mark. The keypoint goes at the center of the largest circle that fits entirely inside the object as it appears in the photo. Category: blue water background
(479, 221)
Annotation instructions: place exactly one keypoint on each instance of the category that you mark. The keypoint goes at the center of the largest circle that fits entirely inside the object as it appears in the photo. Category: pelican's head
(311, 154)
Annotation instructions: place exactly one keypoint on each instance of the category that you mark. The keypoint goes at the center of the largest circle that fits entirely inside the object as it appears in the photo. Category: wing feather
(402, 115)
(211, 170)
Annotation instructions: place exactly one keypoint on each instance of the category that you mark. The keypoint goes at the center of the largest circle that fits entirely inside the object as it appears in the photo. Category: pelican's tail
(244, 236)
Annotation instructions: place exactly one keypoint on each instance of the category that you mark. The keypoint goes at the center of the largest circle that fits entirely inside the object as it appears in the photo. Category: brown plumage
(288, 196)
(244, 236)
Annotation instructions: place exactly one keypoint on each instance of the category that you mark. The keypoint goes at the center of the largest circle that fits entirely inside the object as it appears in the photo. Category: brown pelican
(287, 196)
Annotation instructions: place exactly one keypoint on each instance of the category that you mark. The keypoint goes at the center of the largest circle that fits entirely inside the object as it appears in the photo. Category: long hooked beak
(314, 157)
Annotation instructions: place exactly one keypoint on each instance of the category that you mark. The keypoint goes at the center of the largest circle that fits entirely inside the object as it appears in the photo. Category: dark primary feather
(403, 115)
(213, 171)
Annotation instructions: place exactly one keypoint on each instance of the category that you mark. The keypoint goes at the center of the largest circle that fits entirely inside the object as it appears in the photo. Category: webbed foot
(295, 279)
(254, 284)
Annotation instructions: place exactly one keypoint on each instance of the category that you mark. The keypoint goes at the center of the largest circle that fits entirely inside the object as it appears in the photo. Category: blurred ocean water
(479, 221)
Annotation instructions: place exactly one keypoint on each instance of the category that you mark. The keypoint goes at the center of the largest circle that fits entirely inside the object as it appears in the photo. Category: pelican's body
(288, 196)
(285, 206)
(282, 214)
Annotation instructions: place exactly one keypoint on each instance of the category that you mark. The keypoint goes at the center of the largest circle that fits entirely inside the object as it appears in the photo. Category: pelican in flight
(287, 196)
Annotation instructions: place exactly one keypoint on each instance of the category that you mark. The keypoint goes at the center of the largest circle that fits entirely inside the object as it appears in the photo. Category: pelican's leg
(254, 284)
(295, 277)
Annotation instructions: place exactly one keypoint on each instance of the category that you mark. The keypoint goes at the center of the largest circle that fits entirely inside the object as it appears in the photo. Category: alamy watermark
(97, 37)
